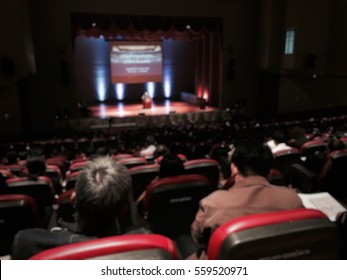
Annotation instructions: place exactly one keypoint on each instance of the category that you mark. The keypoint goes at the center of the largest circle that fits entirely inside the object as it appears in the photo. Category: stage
(130, 116)
(167, 107)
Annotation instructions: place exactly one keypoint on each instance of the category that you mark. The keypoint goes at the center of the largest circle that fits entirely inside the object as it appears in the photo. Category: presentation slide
(136, 62)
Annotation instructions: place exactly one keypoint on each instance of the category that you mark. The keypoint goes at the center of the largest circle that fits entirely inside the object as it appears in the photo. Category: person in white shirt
(279, 138)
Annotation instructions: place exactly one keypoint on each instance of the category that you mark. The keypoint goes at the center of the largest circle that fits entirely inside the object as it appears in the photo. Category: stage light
(167, 86)
(120, 106)
(102, 111)
(101, 88)
(120, 89)
(167, 106)
(206, 95)
(150, 86)
(101, 82)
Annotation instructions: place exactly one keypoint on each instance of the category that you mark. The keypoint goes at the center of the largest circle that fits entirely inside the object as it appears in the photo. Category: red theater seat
(41, 190)
(311, 147)
(284, 159)
(292, 234)
(170, 203)
(132, 162)
(16, 169)
(333, 176)
(7, 174)
(122, 156)
(141, 177)
(206, 167)
(17, 212)
(180, 156)
(70, 180)
(122, 247)
(77, 166)
(66, 209)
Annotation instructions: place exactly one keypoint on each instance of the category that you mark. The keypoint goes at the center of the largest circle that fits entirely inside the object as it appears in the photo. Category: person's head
(102, 193)
(36, 165)
(335, 144)
(160, 150)
(12, 157)
(297, 132)
(251, 158)
(280, 136)
(171, 165)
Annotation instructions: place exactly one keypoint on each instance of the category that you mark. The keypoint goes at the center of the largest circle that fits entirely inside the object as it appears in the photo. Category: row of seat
(292, 234)
(289, 163)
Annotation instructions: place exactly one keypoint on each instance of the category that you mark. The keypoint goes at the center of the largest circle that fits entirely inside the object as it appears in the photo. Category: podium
(147, 103)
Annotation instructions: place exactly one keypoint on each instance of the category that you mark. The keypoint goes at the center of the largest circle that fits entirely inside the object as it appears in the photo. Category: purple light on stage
(150, 88)
(120, 89)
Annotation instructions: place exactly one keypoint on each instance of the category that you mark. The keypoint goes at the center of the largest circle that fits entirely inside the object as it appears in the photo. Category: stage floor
(115, 118)
(167, 107)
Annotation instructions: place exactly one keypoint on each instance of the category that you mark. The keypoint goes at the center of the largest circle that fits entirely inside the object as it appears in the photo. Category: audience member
(36, 167)
(323, 175)
(280, 139)
(298, 136)
(316, 161)
(171, 165)
(150, 148)
(251, 193)
(101, 196)
(11, 157)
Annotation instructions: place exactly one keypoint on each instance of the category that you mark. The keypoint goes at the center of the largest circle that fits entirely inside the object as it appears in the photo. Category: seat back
(182, 157)
(302, 178)
(284, 159)
(71, 179)
(206, 167)
(53, 172)
(7, 174)
(172, 202)
(132, 162)
(66, 209)
(121, 156)
(335, 177)
(41, 190)
(77, 166)
(141, 176)
(15, 169)
(311, 147)
(17, 212)
(122, 247)
(291, 234)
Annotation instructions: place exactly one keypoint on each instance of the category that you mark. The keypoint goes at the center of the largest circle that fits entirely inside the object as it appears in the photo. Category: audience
(251, 193)
(101, 196)
(103, 189)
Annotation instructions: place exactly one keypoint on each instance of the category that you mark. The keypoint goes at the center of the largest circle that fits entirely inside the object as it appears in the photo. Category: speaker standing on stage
(146, 100)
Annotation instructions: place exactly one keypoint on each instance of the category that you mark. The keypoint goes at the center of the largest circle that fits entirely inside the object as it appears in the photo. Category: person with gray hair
(101, 196)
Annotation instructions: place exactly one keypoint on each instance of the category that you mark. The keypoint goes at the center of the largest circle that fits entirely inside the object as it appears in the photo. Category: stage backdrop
(94, 78)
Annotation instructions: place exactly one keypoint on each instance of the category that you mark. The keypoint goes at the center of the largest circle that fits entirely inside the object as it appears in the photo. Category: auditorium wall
(315, 76)
(52, 87)
(42, 51)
